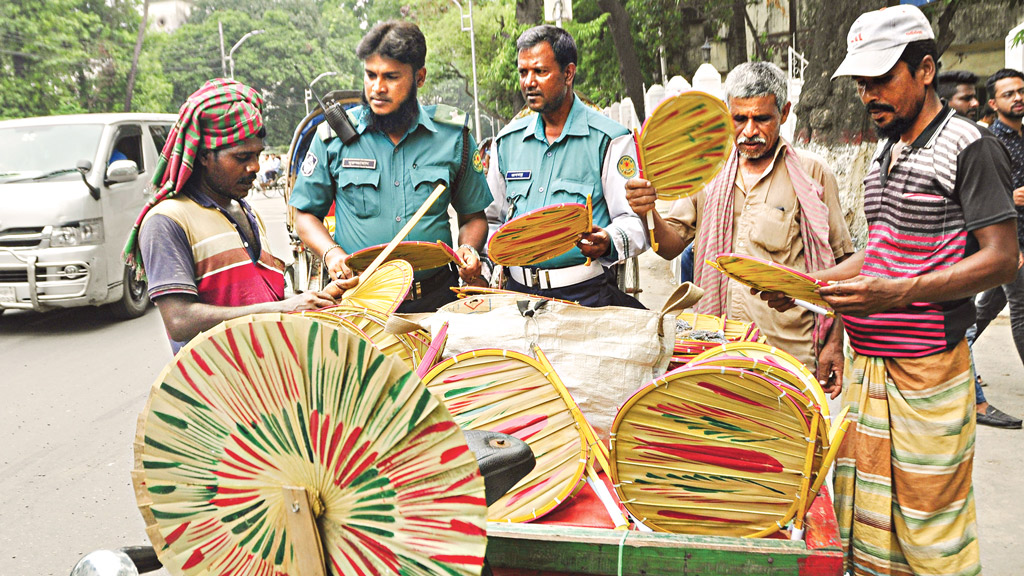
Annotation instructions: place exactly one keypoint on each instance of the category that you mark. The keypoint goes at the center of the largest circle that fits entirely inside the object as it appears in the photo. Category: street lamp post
(231, 53)
(472, 52)
(309, 91)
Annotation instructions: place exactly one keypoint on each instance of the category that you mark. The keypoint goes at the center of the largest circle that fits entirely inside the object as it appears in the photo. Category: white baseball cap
(877, 39)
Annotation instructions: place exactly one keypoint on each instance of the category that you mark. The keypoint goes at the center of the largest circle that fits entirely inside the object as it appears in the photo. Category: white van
(71, 188)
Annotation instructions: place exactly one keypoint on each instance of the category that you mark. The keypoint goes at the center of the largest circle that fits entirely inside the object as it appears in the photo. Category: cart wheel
(307, 273)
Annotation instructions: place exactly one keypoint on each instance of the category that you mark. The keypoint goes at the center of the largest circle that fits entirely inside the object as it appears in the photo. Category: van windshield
(34, 150)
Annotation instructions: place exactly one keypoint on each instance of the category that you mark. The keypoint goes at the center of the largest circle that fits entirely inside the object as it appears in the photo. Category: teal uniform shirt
(593, 156)
(378, 185)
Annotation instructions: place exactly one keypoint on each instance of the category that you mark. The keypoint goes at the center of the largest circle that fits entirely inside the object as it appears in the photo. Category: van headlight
(77, 234)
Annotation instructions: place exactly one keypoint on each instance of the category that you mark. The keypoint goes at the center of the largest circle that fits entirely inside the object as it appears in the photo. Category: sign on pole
(557, 11)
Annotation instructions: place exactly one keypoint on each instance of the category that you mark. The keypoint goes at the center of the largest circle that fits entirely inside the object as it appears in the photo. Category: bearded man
(403, 151)
(770, 201)
(202, 248)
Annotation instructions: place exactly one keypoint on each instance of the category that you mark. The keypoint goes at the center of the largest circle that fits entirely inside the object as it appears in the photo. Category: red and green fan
(269, 403)
(540, 234)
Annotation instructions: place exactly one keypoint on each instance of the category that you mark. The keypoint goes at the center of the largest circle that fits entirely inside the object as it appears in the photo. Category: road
(73, 383)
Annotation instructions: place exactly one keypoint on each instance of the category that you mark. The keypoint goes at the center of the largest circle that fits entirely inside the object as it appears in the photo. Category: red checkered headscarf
(222, 113)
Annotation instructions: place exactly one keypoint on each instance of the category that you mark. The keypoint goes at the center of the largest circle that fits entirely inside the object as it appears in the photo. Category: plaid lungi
(904, 498)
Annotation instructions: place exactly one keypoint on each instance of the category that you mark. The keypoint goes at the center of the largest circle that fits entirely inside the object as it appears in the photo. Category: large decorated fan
(264, 407)
(372, 325)
(421, 255)
(509, 392)
(384, 290)
(770, 277)
(713, 450)
(539, 235)
(683, 145)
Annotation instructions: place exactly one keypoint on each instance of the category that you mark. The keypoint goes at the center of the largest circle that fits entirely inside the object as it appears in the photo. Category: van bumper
(43, 279)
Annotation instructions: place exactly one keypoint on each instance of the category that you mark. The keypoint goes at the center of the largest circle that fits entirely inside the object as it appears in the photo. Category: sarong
(903, 489)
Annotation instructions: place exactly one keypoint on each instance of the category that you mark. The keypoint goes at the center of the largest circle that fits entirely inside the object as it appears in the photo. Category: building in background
(168, 15)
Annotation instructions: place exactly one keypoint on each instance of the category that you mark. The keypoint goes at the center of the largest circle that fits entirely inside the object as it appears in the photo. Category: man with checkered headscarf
(202, 248)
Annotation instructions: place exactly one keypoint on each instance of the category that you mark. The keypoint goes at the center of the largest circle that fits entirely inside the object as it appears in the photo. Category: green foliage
(66, 56)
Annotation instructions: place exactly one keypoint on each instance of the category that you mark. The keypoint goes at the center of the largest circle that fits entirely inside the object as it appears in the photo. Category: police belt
(423, 288)
(547, 278)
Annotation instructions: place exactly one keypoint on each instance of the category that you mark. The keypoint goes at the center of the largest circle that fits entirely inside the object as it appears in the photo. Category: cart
(305, 272)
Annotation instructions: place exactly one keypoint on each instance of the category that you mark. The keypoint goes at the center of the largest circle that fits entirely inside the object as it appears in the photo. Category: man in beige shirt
(782, 199)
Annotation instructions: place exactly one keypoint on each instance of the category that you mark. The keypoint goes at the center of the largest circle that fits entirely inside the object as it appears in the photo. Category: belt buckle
(533, 277)
(415, 291)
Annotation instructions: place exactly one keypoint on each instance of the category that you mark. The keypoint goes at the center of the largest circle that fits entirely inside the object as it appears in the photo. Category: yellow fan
(384, 290)
(422, 255)
(540, 234)
(683, 145)
(372, 325)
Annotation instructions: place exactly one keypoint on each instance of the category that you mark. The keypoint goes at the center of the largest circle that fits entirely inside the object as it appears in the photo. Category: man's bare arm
(184, 316)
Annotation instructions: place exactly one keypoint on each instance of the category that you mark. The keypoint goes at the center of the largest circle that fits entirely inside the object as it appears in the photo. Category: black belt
(421, 288)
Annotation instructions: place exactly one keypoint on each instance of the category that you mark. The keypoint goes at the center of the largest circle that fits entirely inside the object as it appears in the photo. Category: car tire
(134, 300)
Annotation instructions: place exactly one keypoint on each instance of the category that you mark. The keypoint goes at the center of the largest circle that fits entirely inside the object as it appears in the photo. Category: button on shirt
(378, 185)
(1014, 144)
(583, 161)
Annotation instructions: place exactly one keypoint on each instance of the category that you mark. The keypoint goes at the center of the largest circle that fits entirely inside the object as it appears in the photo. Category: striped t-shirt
(953, 179)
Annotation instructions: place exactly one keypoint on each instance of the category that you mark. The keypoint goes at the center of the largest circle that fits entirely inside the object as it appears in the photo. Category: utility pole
(223, 58)
(472, 52)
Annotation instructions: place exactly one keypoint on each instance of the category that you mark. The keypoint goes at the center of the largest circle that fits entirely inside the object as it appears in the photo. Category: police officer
(404, 150)
(564, 153)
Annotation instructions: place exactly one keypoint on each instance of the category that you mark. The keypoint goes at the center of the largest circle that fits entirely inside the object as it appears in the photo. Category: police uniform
(593, 156)
(378, 186)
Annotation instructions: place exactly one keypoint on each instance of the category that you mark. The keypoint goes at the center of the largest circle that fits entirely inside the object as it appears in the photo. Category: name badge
(364, 163)
(518, 175)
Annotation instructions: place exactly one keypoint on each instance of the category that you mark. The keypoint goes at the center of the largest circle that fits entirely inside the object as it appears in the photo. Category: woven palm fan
(421, 255)
(384, 290)
(716, 451)
(698, 333)
(373, 326)
(683, 145)
(270, 401)
(772, 363)
(770, 277)
(539, 235)
(505, 391)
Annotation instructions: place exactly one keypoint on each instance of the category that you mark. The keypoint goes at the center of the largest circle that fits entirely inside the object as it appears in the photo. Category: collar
(1003, 129)
(422, 119)
(575, 124)
(927, 136)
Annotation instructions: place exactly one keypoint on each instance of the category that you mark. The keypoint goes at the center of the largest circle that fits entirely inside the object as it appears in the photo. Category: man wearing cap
(202, 248)
(565, 153)
(941, 228)
(403, 151)
(770, 201)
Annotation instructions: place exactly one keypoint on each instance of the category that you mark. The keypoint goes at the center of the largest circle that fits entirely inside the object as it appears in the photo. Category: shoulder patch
(478, 161)
(309, 164)
(450, 115)
(626, 166)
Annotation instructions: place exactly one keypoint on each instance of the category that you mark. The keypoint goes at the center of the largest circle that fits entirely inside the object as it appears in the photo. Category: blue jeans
(686, 264)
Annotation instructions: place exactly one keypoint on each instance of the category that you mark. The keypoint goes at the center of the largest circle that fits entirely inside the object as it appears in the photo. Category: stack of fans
(698, 333)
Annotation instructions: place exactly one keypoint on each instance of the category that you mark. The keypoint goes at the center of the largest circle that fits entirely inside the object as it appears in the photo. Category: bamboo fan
(505, 391)
(410, 348)
(683, 145)
(539, 235)
(263, 408)
(421, 255)
(383, 290)
(707, 332)
(715, 451)
(771, 277)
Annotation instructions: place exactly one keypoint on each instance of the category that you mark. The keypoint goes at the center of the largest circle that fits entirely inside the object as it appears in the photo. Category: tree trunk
(135, 58)
(736, 45)
(629, 64)
(945, 35)
(830, 112)
(530, 11)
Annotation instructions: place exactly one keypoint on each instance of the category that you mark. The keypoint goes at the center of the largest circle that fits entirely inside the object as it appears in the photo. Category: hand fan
(421, 255)
(372, 325)
(711, 450)
(771, 277)
(539, 235)
(508, 392)
(682, 145)
(383, 290)
(266, 402)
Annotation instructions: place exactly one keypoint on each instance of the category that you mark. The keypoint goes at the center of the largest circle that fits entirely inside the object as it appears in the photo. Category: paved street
(73, 383)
